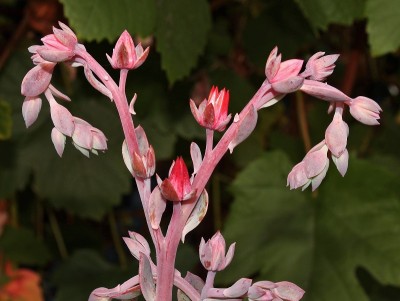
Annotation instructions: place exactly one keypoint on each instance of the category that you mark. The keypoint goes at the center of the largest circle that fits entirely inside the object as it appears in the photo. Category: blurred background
(61, 220)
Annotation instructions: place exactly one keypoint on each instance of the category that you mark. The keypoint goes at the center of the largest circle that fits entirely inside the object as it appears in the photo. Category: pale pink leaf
(197, 215)
(195, 153)
(58, 94)
(146, 280)
(238, 289)
(157, 205)
(342, 162)
(82, 135)
(37, 80)
(96, 83)
(245, 128)
(127, 157)
(288, 85)
(288, 291)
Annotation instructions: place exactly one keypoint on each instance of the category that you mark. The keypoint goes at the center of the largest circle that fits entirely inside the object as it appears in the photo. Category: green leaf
(5, 120)
(383, 16)
(285, 28)
(14, 244)
(88, 187)
(107, 19)
(321, 13)
(319, 242)
(85, 271)
(181, 35)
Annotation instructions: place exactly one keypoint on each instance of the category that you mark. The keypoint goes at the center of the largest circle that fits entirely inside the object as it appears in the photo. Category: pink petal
(82, 135)
(65, 37)
(315, 161)
(58, 139)
(297, 177)
(288, 291)
(55, 56)
(142, 140)
(37, 80)
(316, 181)
(342, 162)
(99, 140)
(288, 69)
(126, 157)
(30, 109)
(62, 119)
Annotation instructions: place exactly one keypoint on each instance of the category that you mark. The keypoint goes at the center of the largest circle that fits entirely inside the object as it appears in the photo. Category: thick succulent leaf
(181, 35)
(138, 17)
(147, 285)
(317, 243)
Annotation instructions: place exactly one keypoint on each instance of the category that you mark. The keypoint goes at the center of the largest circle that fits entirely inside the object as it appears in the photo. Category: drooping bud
(324, 91)
(336, 135)
(212, 253)
(30, 109)
(320, 66)
(37, 79)
(365, 110)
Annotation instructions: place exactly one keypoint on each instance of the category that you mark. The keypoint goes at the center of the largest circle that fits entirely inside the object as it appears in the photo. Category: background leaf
(14, 244)
(89, 18)
(181, 35)
(318, 243)
(381, 22)
(321, 13)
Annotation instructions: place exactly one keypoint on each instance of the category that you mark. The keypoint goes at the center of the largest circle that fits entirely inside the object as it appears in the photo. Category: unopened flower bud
(212, 253)
(365, 110)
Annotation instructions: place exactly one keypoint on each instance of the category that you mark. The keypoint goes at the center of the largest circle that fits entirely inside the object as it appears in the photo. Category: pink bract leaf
(288, 291)
(58, 94)
(99, 140)
(157, 205)
(288, 69)
(62, 119)
(323, 91)
(245, 128)
(55, 56)
(197, 215)
(58, 139)
(297, 177)
(126, 291)
(83, 150)
(288, 85)
(96, 83)
(141, 140)
(238, 289)
(365, 110)
(195, 281)
(67, 38)
(316, 181)
(30, 109)
(137, 244)
(147, 284)
(37, 79)
(132, 104)
(126, 157)
(342, 162)
(195, 153)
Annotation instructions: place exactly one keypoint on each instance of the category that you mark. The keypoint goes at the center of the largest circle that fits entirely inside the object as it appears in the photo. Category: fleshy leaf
(157, 205)
(245, 128)
(195, 153)
(238, 289)
(147, 285)
(197, 215)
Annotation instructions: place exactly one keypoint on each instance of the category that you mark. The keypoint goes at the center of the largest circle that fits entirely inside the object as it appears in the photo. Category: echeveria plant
(183, 191)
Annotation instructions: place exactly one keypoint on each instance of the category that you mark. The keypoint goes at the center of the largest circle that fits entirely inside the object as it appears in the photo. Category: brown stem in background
(351, 71)
(117, 240)
(55, 228)
(302, 119)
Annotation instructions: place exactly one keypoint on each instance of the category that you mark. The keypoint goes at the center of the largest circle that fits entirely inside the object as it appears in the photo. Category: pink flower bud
(213, 112)
(288, 291)
(30, 109)
(126, 55)
(320, 66)
(177, 186)
(365, 110)
(336, 135)
(283, 76)
(212, 253)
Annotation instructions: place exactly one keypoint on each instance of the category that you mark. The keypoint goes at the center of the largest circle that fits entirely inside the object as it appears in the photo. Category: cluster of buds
(187, 194)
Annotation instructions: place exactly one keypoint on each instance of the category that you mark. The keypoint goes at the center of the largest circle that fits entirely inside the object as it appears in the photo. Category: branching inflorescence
(187, 193)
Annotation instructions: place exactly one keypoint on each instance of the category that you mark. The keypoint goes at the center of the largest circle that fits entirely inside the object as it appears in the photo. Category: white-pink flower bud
(212, 253)
(365, 110)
